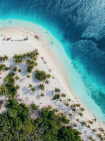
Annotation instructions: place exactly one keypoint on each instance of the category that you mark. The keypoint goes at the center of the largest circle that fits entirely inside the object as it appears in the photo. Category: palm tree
(88, 126)
(69, 99)
(78, 105)
(60, 100)
(101, 129)
(32, 89)
(75, 125)
(48, 107)
(5, 57)
(90, 138)
(82, 109)
(17, 78)
(42, 95)
(55, 110)
(57, 90)
(77, 120)
(36, 53)
(83, 123)
(17, 87)
(41, 86)
(28, 61)
(91, 122)
(73, 109)
(100, 136)
(70, 115)
(80, 114)
(30, 85)
(67, 104)
(46, 82)
(19, 70)
(63, 95)
(35, 64)
(93, 130)
(28, 76)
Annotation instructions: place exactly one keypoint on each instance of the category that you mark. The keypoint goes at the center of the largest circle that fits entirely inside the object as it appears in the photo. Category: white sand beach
(10, 48)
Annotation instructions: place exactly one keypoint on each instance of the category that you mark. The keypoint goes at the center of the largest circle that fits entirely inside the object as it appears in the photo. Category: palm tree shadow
(11, 62)
(50, 93)
(38, 96)
(23, 68)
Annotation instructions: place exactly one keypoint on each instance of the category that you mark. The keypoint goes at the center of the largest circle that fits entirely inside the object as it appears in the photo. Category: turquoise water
(81, 41)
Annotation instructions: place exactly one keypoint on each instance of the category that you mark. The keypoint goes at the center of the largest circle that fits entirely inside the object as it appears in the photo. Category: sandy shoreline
(43, 47)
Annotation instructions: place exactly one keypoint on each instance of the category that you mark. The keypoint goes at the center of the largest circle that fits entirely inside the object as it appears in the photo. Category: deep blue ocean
(79, 25)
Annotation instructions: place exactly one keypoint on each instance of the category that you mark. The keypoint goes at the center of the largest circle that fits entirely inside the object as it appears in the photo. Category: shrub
(2, 67)
(17, 78)
(29, 68)
(57, 90)
(15, 69)
(41, 86)
(34, 106)
(67, 104)
(32, 89)
(68, 134)
(19, 70)
(57, 96)
(42, 95)
(46, 82)
(41, 75)
(28, 76)
(6, 68)
(63, 95)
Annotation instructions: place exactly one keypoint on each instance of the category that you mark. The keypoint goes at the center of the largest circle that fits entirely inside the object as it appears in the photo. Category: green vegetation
(57, 90)
(69, 99)
(77, 120)
(80, 114)
(83, 123)
(91, 122)
(15, 69)
(32, 89)
(67, 104)
(46, 82)
(34, 106)
(93, 130)
(17, 78)
(17, 125)
(30, 65)
(82, 109)
(12, 90)
(2, 66)
(19, 70)
(57, 96)
(63, 95)
(68, 134)
(41, 86)
(60, 100)
(31, 59)
(42, 95)
(28, 76)
(101, 129)
(3, 90)
(75, 125)
(3, 58)
(88, 126)
(41, 75)
(6, 68)
(70, 115)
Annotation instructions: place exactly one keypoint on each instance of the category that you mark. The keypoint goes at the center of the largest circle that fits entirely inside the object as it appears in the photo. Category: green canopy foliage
(41, 75)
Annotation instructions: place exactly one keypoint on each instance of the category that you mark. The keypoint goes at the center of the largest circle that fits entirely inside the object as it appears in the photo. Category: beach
(10, 48)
